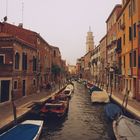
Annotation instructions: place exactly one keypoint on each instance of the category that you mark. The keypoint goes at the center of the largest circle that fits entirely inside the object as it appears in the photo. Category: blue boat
(94, 88)
(27, 130)
(112, 111)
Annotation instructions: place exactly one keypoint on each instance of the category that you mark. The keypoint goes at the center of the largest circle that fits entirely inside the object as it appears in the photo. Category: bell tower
(89, 41)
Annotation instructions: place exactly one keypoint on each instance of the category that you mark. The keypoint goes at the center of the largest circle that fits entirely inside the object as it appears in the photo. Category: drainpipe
(138, 82)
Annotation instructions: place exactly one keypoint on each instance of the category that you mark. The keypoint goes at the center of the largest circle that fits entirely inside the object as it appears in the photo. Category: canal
(84, 121)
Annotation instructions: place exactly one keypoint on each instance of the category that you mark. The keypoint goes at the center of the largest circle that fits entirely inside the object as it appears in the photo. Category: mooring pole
(14, 109)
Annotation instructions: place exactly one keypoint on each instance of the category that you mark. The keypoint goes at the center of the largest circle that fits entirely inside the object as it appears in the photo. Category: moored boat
(99, 97)
(55, 109)
(94, 88)
(126, 129)
(27, 130)
(70, 87)
(112, 111)
(56, 106)
(89, 85)
(68, 92)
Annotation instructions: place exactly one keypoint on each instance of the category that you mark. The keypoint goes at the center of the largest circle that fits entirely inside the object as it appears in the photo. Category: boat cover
(21, 132)
(126, 128)
(99, 97)
(94, 88)
(112, 111)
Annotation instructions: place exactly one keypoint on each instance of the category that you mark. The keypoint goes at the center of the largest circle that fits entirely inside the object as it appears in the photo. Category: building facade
(128, 43)
(30, 59)
(18, 69)
(111, 38)
(103, 60)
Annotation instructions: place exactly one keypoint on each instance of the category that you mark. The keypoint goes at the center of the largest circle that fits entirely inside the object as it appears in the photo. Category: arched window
(34, 63)
(17, 57)
(54, 53)
(24, 61)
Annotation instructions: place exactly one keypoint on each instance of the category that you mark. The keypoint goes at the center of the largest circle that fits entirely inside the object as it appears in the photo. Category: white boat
(70, 87)
(27, 130)
(126, 129)
(67, 92)
(99, 97)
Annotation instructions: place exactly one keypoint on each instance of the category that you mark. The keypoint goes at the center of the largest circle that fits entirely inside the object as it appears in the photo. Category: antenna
(22, 10)
(6, 7)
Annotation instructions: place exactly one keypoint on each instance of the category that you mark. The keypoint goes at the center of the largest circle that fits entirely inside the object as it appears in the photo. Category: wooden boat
(112, 111)
(27, 130)
(99, 97)
(56, 106)
(126, 129)
(55, 109)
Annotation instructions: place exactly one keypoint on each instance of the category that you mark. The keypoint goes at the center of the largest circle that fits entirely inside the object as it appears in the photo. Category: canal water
(83, 121)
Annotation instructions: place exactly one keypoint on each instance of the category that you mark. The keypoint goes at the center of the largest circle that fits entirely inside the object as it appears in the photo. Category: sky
(62, 23)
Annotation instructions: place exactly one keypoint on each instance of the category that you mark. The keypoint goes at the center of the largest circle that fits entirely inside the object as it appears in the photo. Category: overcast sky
(62, 23)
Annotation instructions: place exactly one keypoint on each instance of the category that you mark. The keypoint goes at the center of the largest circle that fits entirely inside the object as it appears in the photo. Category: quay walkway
(23, 106)
(131, 105)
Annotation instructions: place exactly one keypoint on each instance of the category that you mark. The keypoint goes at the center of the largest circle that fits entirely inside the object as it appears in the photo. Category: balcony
(119, 46)
(122, 26)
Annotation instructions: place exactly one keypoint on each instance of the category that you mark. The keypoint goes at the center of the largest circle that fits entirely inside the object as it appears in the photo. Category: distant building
(95, 65)
(103, 56)
(111, 38)
(72, 69)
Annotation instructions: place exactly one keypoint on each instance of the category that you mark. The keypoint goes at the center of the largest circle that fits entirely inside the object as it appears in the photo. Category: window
(34, 82)
(130, 85)
(134, 5)
(134, 58)
(123, 39)
(134, 30)
(24, 61)
(130, 59)
(1, 59)
(139, 61)
(54, 53)
(124, 61)
(124, 18)
(130, 33)
(34, 63)
(15, 84)
(17, 61)
(139, 39)
(130, 10)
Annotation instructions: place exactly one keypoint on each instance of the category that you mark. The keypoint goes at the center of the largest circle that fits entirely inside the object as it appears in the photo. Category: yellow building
(127, 45)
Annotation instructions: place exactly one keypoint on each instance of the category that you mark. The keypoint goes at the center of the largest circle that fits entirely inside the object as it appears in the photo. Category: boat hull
(126, 129)
(27, 130)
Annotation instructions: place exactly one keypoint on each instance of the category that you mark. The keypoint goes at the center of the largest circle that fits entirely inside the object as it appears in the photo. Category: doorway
(4, 91)
(23, 88)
